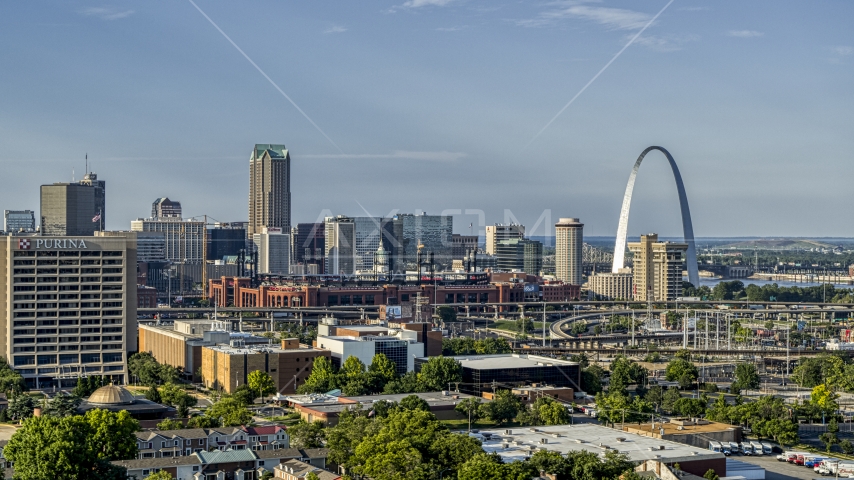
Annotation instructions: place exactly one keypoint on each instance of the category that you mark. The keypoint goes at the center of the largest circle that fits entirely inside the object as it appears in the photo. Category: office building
(73, 209)
(499, 232)
(225, 240)
(400, 346)
(226, 367)
(180, 344)
(430, 232)
(274, 251)
(657, 268)
(371, 233)
(269, 188)
(184, 238)
(569, 240)
(309, 246)
(482, 372)
(69, 308)
(520, 255)
(611, 286)
(163, 207)
(461, 245)
(340, 245)
(19, 221)
(150, 246)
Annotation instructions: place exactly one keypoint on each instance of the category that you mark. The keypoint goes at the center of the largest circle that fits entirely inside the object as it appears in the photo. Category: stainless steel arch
(687, 227)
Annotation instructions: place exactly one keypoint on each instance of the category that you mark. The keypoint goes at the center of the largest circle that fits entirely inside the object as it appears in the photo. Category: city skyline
(444, 102)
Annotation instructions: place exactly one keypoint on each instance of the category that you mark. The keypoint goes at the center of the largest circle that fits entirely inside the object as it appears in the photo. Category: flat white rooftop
(520, 443)
(514, 360)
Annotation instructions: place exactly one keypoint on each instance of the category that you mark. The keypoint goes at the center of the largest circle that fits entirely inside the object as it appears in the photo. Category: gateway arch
(687, 228)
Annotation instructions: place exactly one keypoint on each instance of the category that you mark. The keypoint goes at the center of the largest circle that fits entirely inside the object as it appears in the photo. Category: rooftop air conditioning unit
(508, 432)
(621, 439)
(544, 440)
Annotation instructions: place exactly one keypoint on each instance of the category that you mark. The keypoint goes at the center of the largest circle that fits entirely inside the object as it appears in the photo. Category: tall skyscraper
(73, 209)
(184, 238)
(269, 188)
(519, 254)
(100, 196)
(163, 207)
(309, 245)
(569, 239)
(434, 232)
(19, 221)
(657, 271)
(340, 245)
(499, 232)
(274, 251)
(225, 240)
(371, 232)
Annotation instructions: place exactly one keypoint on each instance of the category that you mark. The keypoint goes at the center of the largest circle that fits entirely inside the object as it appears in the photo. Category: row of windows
(350, 300)
(64, 359)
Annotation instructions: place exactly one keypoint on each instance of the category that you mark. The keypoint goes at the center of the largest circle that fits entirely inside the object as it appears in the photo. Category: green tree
(625, 372)
(62, 405)
(153, 394)
(581, 359)
(682, 371)
(20, 407)
(470, 408)
(447, 314)
(711, 475)
(591, 379)
(551, 412)
(73, 447)
(111, 435)
(671, 396)
(320, 379)
(161, 475)
(11, 382)
(170, 424)
(310, 476)
(439, 372)
(414, 402)
(383, 367)
(307, 435)
(828, 439)
(244, 394)
(261, 382)
(483, 467)
(746, 377)
(202, 421)
(846, 446)
(824, 399)
(177, 397)
(503, 407)
(352, 367)
(145, 368)
(229, 412)
(407, 383)
(655, 396)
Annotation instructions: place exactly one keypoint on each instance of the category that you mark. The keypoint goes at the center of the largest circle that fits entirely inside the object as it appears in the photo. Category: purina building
(68, 307)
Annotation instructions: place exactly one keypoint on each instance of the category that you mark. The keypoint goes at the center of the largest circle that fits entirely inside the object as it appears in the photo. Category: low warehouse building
(694, 432)
(521, 443)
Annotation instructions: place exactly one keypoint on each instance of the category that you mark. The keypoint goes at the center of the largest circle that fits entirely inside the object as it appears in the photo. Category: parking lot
(778, 470)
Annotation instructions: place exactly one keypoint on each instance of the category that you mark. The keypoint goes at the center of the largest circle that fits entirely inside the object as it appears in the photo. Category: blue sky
(432, 103)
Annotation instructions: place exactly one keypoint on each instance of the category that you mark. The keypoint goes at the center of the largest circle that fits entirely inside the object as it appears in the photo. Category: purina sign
(51, 243)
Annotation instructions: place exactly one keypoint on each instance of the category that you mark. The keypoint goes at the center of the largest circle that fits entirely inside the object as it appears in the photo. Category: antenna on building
(87, 163)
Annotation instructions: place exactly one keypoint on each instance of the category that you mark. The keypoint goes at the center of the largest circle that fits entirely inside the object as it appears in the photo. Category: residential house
(297, 470)
(182, 442)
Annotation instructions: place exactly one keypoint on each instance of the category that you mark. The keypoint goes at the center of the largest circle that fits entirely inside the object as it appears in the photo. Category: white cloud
(843, 50)
(106, 13)
(440, 156)
(612, 18)
(335, 29)
(745, 33)
(693, 9)
(668, 43)
(426, 3)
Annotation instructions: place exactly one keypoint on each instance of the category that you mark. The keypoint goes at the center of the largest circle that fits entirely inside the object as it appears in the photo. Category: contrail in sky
(597, 75)
(266, 76)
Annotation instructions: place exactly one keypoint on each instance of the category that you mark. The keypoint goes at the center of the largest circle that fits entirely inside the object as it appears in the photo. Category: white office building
(569, 240)
(274, 250)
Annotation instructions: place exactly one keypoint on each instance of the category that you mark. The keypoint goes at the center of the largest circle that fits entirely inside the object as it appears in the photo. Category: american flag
(97, 217)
